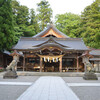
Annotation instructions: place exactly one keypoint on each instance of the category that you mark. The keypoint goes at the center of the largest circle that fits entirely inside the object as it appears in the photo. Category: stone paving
(49, 88)
(12, 89)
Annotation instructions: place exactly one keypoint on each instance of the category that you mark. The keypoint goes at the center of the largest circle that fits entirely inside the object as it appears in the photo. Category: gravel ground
(20, 79)
(84, 92)
(79, 80)
(87, 93)
(11, 92)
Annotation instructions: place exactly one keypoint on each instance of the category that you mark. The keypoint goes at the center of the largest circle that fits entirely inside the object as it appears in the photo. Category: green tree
(17, 30)
(27, 31)
(33, 21)
(90, 24)
(6, 25)
(68, 23)
(21, 19)
(22, 15)
(15, 8)
(44, 13)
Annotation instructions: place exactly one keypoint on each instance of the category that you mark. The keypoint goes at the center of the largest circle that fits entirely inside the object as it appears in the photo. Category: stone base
(10, 75)
(90, 76)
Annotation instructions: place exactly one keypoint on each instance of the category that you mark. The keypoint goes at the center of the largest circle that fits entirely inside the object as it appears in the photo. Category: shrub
(1, 69)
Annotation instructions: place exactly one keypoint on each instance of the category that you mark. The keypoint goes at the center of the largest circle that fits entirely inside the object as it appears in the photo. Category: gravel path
(21, 79)
(79, 80)
(11, 92)
(87, 93)
(84, 92)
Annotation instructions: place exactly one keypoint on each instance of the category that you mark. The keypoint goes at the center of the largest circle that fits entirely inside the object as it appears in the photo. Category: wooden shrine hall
(51, 51)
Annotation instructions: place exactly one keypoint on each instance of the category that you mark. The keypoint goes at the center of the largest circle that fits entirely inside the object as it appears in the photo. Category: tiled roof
(27, 43)
(95, 52)
(94, 59)
(37, 41)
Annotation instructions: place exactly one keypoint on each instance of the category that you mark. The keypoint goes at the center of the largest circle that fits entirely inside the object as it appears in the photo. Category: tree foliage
(17, 20)
(6, 25)
(44, 13)
(90, 25)
(68, 23)
(25, 22)
(33, 21)
(87, 26)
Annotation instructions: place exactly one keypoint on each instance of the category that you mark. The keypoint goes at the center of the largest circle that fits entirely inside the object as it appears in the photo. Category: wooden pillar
(77, 64)
(60, 65)
(40, 64)
(24, 63)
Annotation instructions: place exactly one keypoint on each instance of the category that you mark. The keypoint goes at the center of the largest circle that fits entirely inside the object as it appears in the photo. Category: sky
(60, 6)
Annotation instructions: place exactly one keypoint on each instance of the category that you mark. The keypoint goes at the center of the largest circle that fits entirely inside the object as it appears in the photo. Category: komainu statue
(89, 74)
(11, 71)
(87, 64)
(13, 64)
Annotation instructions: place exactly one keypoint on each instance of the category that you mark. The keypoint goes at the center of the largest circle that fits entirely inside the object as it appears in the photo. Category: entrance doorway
(51, 66)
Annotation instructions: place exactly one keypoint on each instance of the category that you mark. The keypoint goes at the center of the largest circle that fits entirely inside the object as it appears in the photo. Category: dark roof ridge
(46, 38)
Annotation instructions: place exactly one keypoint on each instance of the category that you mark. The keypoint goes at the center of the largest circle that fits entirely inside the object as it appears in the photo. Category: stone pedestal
(90, 76)
(10, 75)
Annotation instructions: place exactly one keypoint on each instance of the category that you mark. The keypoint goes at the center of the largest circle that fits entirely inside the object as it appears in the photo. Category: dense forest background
(17, 20)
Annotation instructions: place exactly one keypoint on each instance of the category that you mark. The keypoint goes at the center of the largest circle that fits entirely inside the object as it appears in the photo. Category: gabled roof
(50, 40)
(54, 29)
(26, 43)
(41, 40)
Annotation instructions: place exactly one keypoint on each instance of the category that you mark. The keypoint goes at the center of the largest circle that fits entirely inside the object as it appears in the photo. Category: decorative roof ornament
(15, 53)
(86, 54)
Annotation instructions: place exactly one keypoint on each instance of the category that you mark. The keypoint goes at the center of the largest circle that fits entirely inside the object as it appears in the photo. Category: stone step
(61, 74)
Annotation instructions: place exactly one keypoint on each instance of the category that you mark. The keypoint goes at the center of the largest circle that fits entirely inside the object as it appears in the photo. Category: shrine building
(51, 51)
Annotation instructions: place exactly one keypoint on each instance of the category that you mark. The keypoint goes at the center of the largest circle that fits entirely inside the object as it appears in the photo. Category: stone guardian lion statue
(13, 64)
